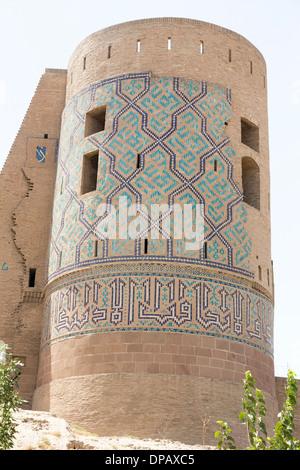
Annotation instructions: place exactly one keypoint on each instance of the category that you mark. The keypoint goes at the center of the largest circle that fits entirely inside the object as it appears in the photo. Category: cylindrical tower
(152, 335)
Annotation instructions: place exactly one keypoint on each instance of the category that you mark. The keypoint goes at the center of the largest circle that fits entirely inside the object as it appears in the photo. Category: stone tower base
(144, 385)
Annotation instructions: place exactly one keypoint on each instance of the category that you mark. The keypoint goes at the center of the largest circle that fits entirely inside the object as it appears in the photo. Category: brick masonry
(117, 333)
(26, 205)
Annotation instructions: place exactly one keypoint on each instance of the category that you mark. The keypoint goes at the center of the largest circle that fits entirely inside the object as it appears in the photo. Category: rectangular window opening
(215, 165)
(138, 161)
(60, 259)
(84, 63)
(95, 121)
(146, 246)
(251, 67)
(45, 136)
(89, 172)
(229, 55)
(268, 275)
(250, 134)
(62, 185)
(205, 250)
(201, 47)
(169, 44)
(138, 46)
(32, 274)
(251, 182)
(109, 52)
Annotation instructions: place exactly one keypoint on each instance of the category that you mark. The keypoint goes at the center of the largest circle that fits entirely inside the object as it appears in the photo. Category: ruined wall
(26, 197)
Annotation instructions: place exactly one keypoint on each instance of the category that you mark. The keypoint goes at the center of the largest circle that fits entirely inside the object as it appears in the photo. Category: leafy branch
(9, 398)
(253, 415)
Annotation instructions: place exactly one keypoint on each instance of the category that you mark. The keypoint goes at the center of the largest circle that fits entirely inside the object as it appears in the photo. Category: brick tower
(148, 336)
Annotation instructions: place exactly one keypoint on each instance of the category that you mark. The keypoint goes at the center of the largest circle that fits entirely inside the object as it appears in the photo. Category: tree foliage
(253, 415)
(9, 398)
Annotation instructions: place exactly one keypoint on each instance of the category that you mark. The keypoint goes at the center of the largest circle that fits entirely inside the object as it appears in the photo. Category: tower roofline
(174, 20)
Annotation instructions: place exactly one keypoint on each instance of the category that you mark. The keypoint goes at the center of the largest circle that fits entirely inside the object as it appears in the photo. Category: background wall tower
(146, 337)
(26, 200)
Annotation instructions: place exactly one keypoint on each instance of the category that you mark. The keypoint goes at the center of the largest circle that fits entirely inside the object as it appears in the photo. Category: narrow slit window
(201, 47)
(96, 249)
(229, 56)
(60, 259)
(146, 246)
(205, 250)
(215, 165)
(109, 52)
(251, 67)
(95, 121)
(89, 172)
(32, 275)
(169, 44)
(259, 273)
(268, 276)
(138, 161)
(138, 46)
(84, 63)
(250, 134)
(62, 185)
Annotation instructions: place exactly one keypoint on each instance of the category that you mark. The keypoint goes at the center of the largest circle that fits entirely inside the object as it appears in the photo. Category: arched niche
(251, 182)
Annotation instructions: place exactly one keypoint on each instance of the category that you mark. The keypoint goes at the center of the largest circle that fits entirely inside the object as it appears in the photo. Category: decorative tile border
(156, 301)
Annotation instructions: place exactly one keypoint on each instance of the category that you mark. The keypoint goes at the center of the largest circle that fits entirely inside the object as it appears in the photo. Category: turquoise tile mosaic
(178, 129)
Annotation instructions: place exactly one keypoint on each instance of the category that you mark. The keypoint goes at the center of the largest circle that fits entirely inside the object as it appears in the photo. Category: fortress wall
(133, 339)
(158, 385)
(26, 196)
(144, 343)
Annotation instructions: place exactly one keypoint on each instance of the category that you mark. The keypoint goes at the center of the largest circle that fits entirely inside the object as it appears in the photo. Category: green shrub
(9, 398)
(253, 414)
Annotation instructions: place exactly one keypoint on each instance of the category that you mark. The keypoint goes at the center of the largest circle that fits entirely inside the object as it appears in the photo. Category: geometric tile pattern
(163, 301)
(178, 129)
(40, 154)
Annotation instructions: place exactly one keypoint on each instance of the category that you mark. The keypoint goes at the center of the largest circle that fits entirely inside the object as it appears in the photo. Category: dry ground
(42, 431)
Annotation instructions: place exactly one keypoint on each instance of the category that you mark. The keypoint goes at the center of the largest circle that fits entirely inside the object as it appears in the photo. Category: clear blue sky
(35, 34)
